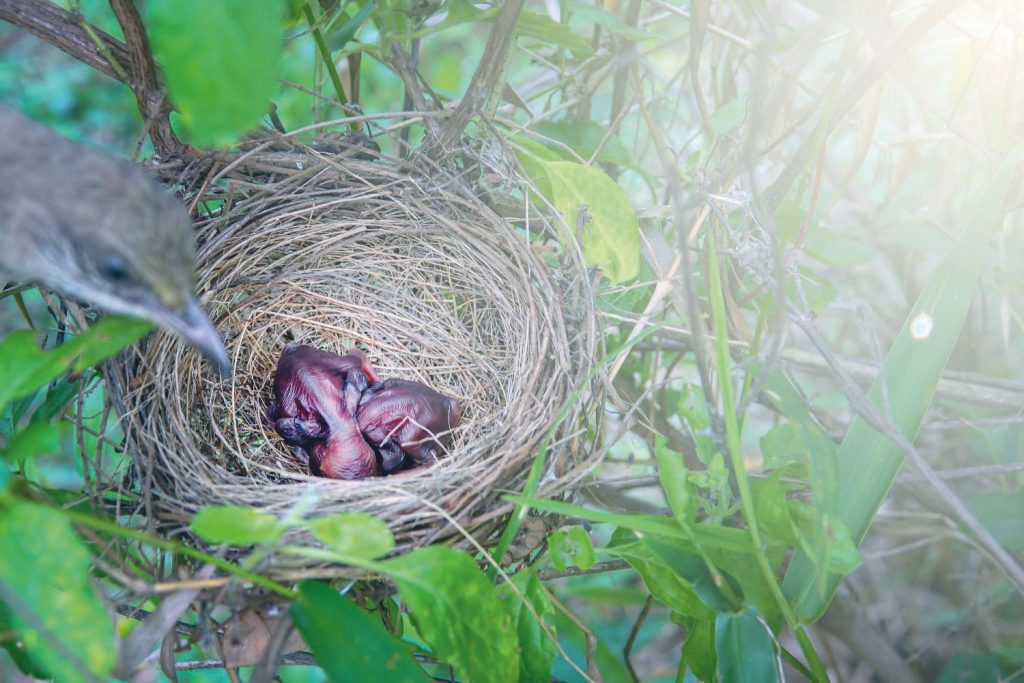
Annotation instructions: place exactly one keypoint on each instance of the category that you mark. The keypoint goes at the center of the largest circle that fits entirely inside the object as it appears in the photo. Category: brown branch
(131, 64)
(64, 30)
(483, 89)
(627, 650)
(149, 91)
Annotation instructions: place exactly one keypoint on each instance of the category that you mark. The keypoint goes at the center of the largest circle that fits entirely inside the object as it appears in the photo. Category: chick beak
(192, 325)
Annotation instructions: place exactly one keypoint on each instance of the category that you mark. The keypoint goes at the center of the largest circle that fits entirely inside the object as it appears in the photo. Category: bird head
(139, 261)
(99, 229)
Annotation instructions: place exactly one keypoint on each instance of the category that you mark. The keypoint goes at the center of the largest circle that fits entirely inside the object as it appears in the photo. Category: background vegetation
(807, 216)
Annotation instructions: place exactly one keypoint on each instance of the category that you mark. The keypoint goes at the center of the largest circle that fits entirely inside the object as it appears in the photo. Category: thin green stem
(723, 362)
(325, 56)
(91, 522)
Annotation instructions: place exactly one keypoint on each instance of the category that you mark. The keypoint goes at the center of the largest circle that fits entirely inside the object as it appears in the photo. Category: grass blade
(869, 461)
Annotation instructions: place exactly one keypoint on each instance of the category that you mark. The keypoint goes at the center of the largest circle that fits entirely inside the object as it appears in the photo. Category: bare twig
(64, 30)
(483, 92)
(627, 650)
(149, 91)
(593, 671)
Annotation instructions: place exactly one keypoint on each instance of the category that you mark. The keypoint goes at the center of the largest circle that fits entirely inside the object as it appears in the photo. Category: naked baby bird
(400, 417)
(316, 395)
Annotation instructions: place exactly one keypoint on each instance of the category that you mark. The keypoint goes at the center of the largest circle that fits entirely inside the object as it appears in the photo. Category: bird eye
(114, 268)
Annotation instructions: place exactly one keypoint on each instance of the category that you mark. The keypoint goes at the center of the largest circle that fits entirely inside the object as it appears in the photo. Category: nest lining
(430, 283)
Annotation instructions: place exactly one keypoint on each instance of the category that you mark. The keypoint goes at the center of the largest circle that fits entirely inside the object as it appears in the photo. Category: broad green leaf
(38, 437)
(547, 30)
(571, 548)
(869, 461)
(536, 649)
(355, 534)
(715, 588)
(457, 612)
(785, 520)
(661, 580)
(693, 409)
(809, 440)
(57, 397)
(107, 337)
(588, 199)
(532, 156)
(220, 61)
(236, 525)
(349, 643)
(47, 597)
(699, 648)
(25, 367)
(587, 137)
(745, 649)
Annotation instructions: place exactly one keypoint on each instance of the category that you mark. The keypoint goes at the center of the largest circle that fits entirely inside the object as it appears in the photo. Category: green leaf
(611, 232)
(661, 580)
(355, 534)
(715, 588)
(695, 411)
(587, 137)
(220, 62)
(746, 649)
(236, 525)
(25, 367)
(869, 461)
(547, 30)
(456, 610)
(349, 643)
(107, 337)
(343, 29)
(47, 598)
(571, 548)
(40, 436)
(536, 649)
(699, 649)
(57, 397)
(674, 479)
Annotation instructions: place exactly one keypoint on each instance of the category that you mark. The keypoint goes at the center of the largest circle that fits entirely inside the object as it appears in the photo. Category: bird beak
(192, 325)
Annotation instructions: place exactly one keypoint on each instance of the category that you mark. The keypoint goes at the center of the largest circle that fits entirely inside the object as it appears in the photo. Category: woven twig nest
(430, 283)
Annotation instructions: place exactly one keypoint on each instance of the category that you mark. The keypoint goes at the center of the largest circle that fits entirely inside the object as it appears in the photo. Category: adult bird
(98, 229)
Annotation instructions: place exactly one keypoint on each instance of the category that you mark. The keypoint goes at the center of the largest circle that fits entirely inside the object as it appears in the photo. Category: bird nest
(431, 283)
